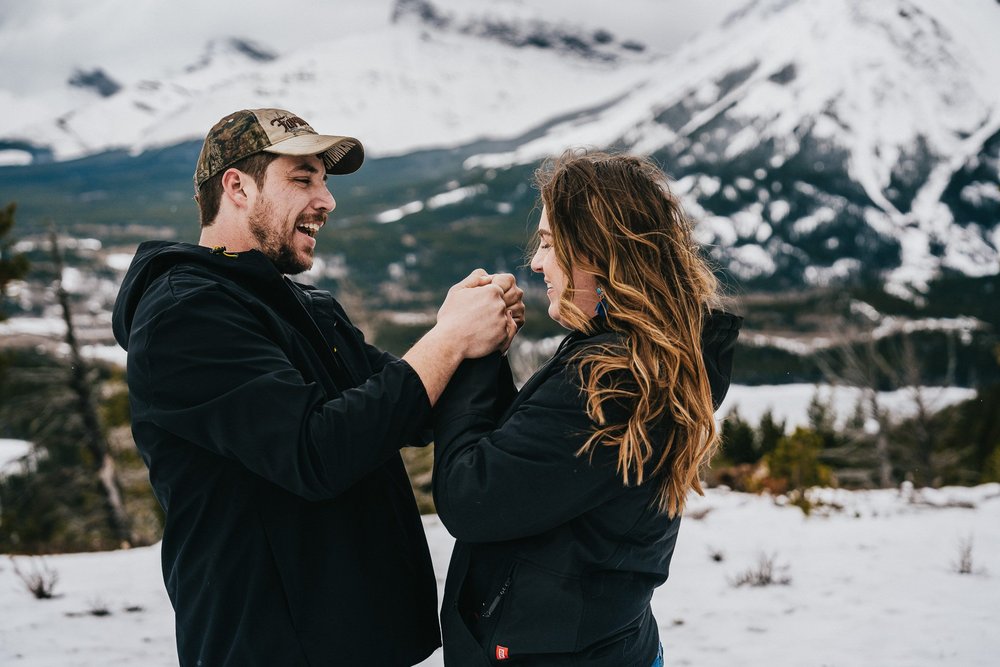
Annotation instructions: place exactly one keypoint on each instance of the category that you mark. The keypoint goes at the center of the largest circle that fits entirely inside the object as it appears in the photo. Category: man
(271, 429)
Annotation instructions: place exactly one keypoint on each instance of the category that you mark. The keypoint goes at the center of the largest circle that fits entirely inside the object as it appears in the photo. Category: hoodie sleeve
(376, 358)
(523, 477)
(379, 359)
(203, 368)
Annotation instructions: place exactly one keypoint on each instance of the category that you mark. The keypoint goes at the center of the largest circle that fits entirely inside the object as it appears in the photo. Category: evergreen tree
(822, 418)
(738, 440)
(12, 266)
(796, 460)
(769, 433)
(858, 420)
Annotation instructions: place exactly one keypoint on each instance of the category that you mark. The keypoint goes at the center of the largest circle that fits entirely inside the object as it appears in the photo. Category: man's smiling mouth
(308, 228)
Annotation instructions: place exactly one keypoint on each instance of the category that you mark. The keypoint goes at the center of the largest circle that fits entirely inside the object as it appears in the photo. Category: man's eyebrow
(306, 167)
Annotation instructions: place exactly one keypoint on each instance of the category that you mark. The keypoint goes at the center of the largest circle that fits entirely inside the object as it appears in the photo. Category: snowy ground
(873, 583)
(11, 451)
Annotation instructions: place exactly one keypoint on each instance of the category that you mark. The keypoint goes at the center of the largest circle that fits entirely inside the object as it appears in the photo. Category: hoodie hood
(718, 341)
(154, 258)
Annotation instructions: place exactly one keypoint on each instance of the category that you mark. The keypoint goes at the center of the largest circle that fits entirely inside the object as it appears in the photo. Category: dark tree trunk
(93, 437)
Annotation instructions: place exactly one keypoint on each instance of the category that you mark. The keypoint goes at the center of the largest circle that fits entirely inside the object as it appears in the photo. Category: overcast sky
(43, 41)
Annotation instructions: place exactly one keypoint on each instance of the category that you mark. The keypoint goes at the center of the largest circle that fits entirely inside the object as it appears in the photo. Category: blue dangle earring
(602, 305)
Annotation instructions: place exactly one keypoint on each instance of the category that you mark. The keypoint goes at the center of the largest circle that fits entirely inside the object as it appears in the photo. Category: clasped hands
(482, 313)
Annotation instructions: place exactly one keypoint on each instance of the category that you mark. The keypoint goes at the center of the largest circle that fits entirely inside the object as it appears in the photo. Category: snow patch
(14, 158)
(11, 451)
(750, 261)
(394, 214)
(455, 196)
(838, 272)
(778, 209)
(979, 192)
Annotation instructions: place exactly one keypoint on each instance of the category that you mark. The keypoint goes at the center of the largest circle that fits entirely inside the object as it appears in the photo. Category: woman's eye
(545, 246)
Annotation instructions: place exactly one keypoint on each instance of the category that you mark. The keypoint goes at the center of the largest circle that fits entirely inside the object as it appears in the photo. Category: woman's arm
(523, 477)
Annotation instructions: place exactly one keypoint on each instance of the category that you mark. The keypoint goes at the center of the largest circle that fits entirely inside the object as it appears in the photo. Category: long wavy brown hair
(613, 216)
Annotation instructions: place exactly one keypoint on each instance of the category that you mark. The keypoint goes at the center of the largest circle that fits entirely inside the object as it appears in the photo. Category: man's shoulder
(184, 279)
(190, 285)
(322, 299)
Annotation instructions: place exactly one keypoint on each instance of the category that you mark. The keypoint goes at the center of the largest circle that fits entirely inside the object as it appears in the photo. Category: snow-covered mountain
(410, 75)
(814, 137)
(817, 141)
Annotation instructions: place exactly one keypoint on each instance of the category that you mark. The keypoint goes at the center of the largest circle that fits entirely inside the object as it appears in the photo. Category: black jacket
(271, 431)
(556, 560)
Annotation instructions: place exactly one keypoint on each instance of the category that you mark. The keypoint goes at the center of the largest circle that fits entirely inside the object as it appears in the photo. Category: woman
(565, 498)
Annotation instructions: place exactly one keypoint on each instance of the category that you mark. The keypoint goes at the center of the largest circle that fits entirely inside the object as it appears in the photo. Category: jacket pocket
(540, 612)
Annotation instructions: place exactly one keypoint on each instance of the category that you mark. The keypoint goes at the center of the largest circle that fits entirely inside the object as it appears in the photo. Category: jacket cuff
(472, 389)
(415, 385)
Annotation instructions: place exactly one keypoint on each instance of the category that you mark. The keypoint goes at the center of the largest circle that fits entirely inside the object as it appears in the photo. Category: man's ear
(234, 184)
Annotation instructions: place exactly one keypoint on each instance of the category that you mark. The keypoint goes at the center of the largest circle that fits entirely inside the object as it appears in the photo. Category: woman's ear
(601, 309)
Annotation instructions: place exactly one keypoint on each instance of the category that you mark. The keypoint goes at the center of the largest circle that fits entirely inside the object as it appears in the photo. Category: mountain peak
(96, 80)
(807, 132)
(597, 44)
(239, 47)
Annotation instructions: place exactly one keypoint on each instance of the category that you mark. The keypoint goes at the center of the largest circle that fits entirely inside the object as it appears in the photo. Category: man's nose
(326, 202)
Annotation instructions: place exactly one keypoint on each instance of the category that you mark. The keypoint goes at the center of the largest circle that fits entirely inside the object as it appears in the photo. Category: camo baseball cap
(244, 133)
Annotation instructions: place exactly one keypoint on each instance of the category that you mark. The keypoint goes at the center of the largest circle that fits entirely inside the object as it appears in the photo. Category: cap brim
(341, 155)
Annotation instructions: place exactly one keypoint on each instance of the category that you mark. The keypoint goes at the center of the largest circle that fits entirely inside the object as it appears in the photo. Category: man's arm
(206, 370)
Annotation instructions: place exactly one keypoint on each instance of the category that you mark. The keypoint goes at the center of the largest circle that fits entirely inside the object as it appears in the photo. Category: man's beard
(273, 243)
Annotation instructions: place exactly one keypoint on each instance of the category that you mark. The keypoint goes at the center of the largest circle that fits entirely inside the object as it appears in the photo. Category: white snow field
(873, 583)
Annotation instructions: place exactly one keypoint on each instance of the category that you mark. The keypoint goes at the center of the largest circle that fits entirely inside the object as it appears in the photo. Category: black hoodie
(271, 431)
(556, 559)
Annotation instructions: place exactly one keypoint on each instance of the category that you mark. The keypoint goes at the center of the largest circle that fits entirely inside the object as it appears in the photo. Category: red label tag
(502, 652)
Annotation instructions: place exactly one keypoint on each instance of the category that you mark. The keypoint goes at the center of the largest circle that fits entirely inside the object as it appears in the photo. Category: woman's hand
(513, 297)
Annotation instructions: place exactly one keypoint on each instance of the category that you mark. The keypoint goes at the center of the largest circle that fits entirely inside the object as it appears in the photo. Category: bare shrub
(98, 607)
(810, 504)
(42, 579)
(764, 573)
(965, 564)
(697, 514)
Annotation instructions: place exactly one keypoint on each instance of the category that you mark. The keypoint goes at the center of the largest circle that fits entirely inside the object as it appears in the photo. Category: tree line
(956, 445)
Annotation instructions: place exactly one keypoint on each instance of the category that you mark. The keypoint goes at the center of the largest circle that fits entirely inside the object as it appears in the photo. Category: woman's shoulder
(610, 347)
(604, 342)
(601, 337)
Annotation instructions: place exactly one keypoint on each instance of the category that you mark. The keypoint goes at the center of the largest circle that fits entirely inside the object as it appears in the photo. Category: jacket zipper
(492, 607)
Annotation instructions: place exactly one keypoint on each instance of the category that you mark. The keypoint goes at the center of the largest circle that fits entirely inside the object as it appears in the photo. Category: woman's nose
(536, 262)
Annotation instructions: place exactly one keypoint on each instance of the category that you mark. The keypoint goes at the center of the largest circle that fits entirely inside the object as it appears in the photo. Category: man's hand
(474, 315)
